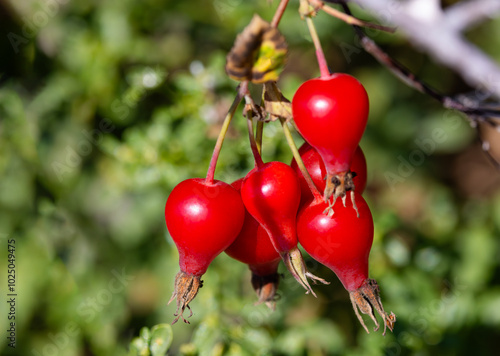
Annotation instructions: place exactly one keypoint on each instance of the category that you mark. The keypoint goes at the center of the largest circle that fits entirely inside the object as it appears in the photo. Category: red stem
(255, 151)
(279, 13)
(323, 66)
(320, 55)
(258, 135)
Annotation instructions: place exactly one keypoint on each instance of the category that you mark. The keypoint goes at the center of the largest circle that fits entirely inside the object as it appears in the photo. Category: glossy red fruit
(342, 242)
(316, 168)
(271, 194)
(254, 248)
(203, 220)
(331, 114)
(253, 245)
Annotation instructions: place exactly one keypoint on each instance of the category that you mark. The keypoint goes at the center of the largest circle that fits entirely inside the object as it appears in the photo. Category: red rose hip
(316, 168)
(271, 194)
(331, 114)
(253, 247)
(342, 242)
(203, 220)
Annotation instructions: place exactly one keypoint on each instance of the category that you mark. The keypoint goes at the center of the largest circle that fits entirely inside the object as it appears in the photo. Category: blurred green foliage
(154, 342)
(106, 105)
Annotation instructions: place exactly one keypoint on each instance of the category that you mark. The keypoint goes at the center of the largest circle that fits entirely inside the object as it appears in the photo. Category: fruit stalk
(223, 132)
(258, 135)
(273, 93)
(279, 13)
(253, 144)
(305, 173)
(320, 55)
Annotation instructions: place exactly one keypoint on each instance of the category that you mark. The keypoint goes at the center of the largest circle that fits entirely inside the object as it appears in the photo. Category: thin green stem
(320, 55)
(315, 192)
(220, 140)
(253, 145)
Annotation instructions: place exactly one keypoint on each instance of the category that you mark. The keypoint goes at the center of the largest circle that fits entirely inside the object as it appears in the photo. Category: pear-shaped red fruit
(203, 219)
(316, 168)
(271, 194)
(331, 114)
(254, 248)
(342, 242)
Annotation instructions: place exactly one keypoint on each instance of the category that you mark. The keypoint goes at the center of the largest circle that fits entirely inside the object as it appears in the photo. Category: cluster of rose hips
(260, 219)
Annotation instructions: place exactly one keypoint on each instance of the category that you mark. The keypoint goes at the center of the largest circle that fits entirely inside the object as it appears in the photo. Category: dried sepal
(367, 299)
(336, 187)
(185, 290)
(252, 110)
(295, 264)
(266, 288)
(276, 104)
(258, 54)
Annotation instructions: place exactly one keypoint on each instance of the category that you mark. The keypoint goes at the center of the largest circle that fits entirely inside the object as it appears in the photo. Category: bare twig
(443, 42)
(350, 20)
(410, 79)
(476, 113)
(466, 14)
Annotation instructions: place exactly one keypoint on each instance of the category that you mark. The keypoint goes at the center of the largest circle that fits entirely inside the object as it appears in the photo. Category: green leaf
(188, 350)
(145, 334)
(139, 347)
(161, 339)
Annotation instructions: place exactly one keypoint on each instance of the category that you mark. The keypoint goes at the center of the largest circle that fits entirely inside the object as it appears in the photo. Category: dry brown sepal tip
(337, 186)
(186, 288)
(367, 298)
(295, 264)
(275, 103)
(266, 288)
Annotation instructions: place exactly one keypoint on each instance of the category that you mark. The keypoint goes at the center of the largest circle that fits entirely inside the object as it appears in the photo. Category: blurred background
(106, 105)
